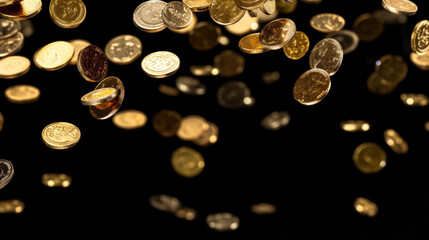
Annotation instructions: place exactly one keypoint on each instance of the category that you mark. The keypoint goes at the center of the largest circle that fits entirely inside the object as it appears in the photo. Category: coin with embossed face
(277, 33)
(123, 49)
(148, 16)
(160, 64)
(6, 172)
(54, 56)
(129, 119)
(107, 109)
(176, 15)
(251, 44)
(327, 22)
(8, 28)
(198, 5)
(327, 54)
(297, 47)
(403, 7)
(312, 86)
(14, 66)
(420, 38)
(78, 45)
(225, 12)
(11, 45)
(21, 10)
(60, 135)
(67, 13)
(92, 63)
(21, 94)
(99, 96)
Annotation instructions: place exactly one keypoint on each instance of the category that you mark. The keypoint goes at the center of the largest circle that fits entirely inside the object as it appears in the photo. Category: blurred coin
(419, 38)
(148, 16)
(198, 5)
(229, 63)
(105, 110)
(92, 63)
(297, 47)
(369, 157)
(270, 77)
(1, 121)
(231, 94)
(225, 12)
(6, 172)
(8, 27)
(11, 45)
(54, 56)
(223, 222)
(263, 208)
(187, 162)
(166, 122)
(203, 70)
(286, 8)
(21, 94)
(209, 136)
(403, 7)
(123, 49)
(245, 25)
(327, 22)
(168, 90)
(264, 18)
(129, 119)
(99, 96)
(186, 213)
(348, 40)
(395, 141)
(365, 207)
(277, 33)
(393, 68)
(60, 135)
(165, 203)
(192, 127)
(11, 206)
(420, 61)
(21, 10)
(413, 99)
(187, 29)
(251, 44)
(204, 36)
(327, 54)
(275, 120)
(378, 84)
(160, 64)
(389, 17)
(269, 7)
(312, 86)
(56, 180)
(78, 45)
(67, 13)
(190, 85)
(176, 15)
(27, 28)
(368, 27)
(355, 126)
(250, 4)
(14, 66)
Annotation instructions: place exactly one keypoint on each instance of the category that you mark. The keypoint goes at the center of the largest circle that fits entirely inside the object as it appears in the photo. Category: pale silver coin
(223, 222)
(6, 172)
(148, 16)
(190, 85)
(275, 120)
(165, 203)
(233, 94)
(8, 28)
(11, 45)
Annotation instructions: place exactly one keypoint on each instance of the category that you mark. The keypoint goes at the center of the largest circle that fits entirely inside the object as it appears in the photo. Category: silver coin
(349, 40)
(8, 27)
(223, 222)
(6, 172)
(165, 203)
(177, 15)
(190, 85)
(276, 120)
(11, 45)
(148, 16)
(233, 94)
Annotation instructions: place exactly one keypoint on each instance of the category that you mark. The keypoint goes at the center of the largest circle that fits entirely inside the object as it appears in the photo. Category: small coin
(187, 162)
(21, 10)
(415, 100)
(190, 85)
(11, 206)
(251, 44)
(130, 119)
(165, 203)
(67, 13)
(27, 28)
(198, 5)
(392, 68)
(229, 63)
(54, 56)
(269, 7)
(204, 36)
(270, 77)
(250, 4)
(21, 94)
(402, 7)
(277, 33)
(232, 94)
(368, 27)
(168, 90)
(378, 84)
(160, 64)
(369, 157)
(225, 12)
(327, 54)
(263, 208)
(92, 63)
(123, 49)
(355, 126)
(209, 136)
(286, 8)
(78, 45)
(8, 28)
(348, 40)
(11, 45)
(1, 121)
(188, 28)
(276, 120)
(56, 180)
(365, 207)
(395, 141)
(203, 70)
(6, 172)
(14, 66)
(297, 47)
(99, 96)
(186, 213)
(327, 22)
(223, 222)
(420, 61)
(166, 122)
(176, 15)
(60, 135)
(108, 109)
(148, 16)
(192, 127)
(420, 38)
(389, 17)
(245, 25)
(312, 86)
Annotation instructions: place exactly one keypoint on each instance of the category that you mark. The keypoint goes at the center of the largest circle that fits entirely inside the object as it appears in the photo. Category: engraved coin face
(129, 119)
(225, 12)
(21, 10)
(229, 63)
(187, 162)
(297, 47)
(8, 28)
(251, 44)
(198, 5)
(349, 40)
(355, 126)
(123, 49)
(368, 27)
(92, 63)
(78, 45)
(11, 206)
(108, 109)
(192, 127)
(420, 61)
(60, 135)
(263, 208)
(395, 141)
(379, 85)
(14, 66)
(327, 54)
(177, 15)
(414, 99)
(166, 122)
(6, 172)
(365, 207)
(190, 85)
(22, 94)
(392, 68)
(250, 4)
(11, 45)
(223, 222)
(160, 64)
(312, 86)
(420, 38)
(327, 22)
(148, 16)
(165, 203)
(277, 33)
(369, 157)
(56, 180)
(232, 94)
(204, 36)
(54, 56)
(403, 7)
(67, 13)
(99, 96)
(276, 120)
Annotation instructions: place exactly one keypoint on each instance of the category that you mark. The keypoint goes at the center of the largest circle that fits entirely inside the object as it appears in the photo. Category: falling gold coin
(378, 84)
(419, 38)
(166, 122)
(99, 96)
(148, 16)
(420, 61)
(355, 126)
(21, 94)
(187, 29)
(251, 44)
(395, 141)
(54, 56)
(123, 49)
(78, 45)
(160, 64)
(11, 206)
(209, 136)
(275, 120)
(369, 157)
(402, 7)
(204, 36)
(263, 208)
(365, 207)
(327, 54)
(187, 162)
(21, 10)
(129, 119)
(1, 121)
(60, 135)
(243, 26)
(192, 127)
(177, 15)
(165, 203)
(168, 90)
(349, 40)
(297, 47)
(414, 99)
(56, 180)
(6, 172)
(186, 213)
(229, 63)
(107, 109)
(312, 86)
(67, 13)
(277, 33)
(225, 12)
(223, 222)
(327, 22)
(392, 68)
(368, 27)
(14, 66)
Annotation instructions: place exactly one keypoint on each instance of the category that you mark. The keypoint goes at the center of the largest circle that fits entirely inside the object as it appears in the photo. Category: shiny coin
(198, 5)
(148, 16)
(277, 33)
(160, 64)
(177, 15)
(378, 84)
(166, 122)
(105, 110)
(11, 45)
(1, 121)
(348, 40)
(203, 70)
(395, 141)
(209, 136)
(327, 54)
(365, 207)
(297, 47)
(263, 208)
(270, 77)
(389, 17)
(327, 22)
(276, 120)
(232, 94)
(204, 36)
(369, 157)
(192, 127)
(403, 7)
(269, 7)
(243, 26)
(229, 63)
(250, 4)
(188, 28)
(92, 63)
(286, 8)
(413, 99)
(368, 27)
(54, 56)
(21, 10)
(130, 119)
(420, 61)
(223, 222)
(420, 38)
(21, 94)
(123, 49)
(11, 206)
(251, 44)
(67, 13)
(8, 28)
(60, 135)
(99, 96)
(312, 86)
(190, 85)
(165, 203)
(168, 90)
(187, 162)
(14, 66)
(27, 28)
(78, 45)
(225, 12)
(56, 180)
(392, 68)
(186, 213)
(355, 126)
(6, 172)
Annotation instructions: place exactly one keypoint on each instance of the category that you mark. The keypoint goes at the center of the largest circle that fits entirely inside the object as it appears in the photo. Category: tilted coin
(99, 96)
(365, 207)
(198, 5)
(61, 135)
(269, 7)
(420, 38)
(165, 203)
(92, 63)
(21, 10)
(186, 213)
(223, 222)
(327, 54)
(414, 99)
(11, 45)
(189, 28)
(166, 122)
(168, 90)
(389, 17)
(148, 16)
(232, 94)
(378, 84)
(368, 27)
(56, 180)
(190, 85)
(263, 208)
(312, 86)
(243, 26)
(275, 120)
(349, 40)
(209, 136)
(297, 47)
(21, 94)
(225, 12)
(8, 28)
(369, 157)
(27, 28)
(395, 141)
(192, 127)
(14, 66)
(250, 4)
(203, 70)
(176, 15)
(286, 8)
(355, 126)
(123, 49)
(229, 63)
(11, 206)
(187, 162)
(420, 61)
(1, 121)
(6, 172)
(204, 36)
(277, 33)
(160, 64)
(54, 56)
(129, 119)
(327, 22)
(78, 45)
(67, 13)
(105, 110)
(270, 77)
(403, 7)
(251, 44)
(392, 68)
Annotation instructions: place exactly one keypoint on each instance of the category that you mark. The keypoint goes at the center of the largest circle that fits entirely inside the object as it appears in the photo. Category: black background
(305, 169)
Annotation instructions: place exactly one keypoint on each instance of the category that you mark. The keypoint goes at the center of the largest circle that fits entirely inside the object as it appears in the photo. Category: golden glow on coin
(107, 109)
(378, 84)
(11, 45)
(365, 207)
(56, 180)
(54, 56)
(229, 63)
(392, 68)
(297, 47)
(414, 99)
(395, 141)
(402, 7)
(21, 10)
(223, 222)
(99, 96)
(187, 162)
(277, 33)
(123, 49)
(420, 38)
(251, 44)
(369, 157)
(188, 28)
(166, 122)
(176, 15)
(312, 86)
(327, 54)
(78, 45)
(160, 64)
(165, 203)
(67, 13)
(21, 94)
(129, 119)
(286, 8)
(192, 127)
(355, 126)
(225, 12)
(6, 171)
(168, 90)
(327, 22)
(148, 16)
(209, 135)
(60, 135)
(14, 66)
(263, 208)
(11, 206)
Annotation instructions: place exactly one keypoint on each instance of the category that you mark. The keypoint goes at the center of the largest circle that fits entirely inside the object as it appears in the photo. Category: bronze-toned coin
(192, 127)
(56, 180)
(6, 172)
(427, 126)
(365, 207)
(286, 8)
(8, 28)
(368, 27)
(395, 141)
(92, 63)
(108, 109)
(204, 36)
(14, 66)
(148, 16)
(198, 5)
(402, 7)
(223, 222)
(229, 63)
(190, 85)
(245, 25)
(189, 28)
(232, 94)
(54, 56)
(392, 68)
(129, 119)
(297, 47)
(327, 54)
(67, 13)
(1, 121)
(177, 15)
(269, 7)
(225, 12)
(99, 96)
(420, 61)
(355, 126)
(349, 40)
(160, 64)
(186, 213)
(123, 49)
(251, 44)
(165, 203)
(209, 136)
(187, 162)
(61, 135)
(250, 4)
(11, 206)
(414, 99)
(21, 94)
(263, 208)
(277, 33)
(369, 157)
(166, 122)
(78, 45)
(312, 86)
(275, 120)
(378, 84)
(327, 22)
(420, 38)
(168, 90)
(21, 10)
(11, 45)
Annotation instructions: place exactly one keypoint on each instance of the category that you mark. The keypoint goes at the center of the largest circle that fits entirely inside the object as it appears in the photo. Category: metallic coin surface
(21, 94)
(209, 136)
(160, 64)
(327, 22)
(355, 126)
(378, 84)
(7, 2)
(368, 27)
(187, 162)
(21, 10)
(232, 94)
(8, 28)
(165, 203)
(123, 49)
(129, 119)
(420, 38)
(78, 45)
(229, 63)
(190, 85)
(277, 33)
(365, 207)
(403, 7)
(11, 45)
(204, 36)
(349, 40)
(11, 206)
(67, 13)
(177, 15)
(61, 135)
(392, 68)
(192, 127)
(250, 4)
(297, 47)
(99, 96)
(395, 141)
(269, 7)
(251, 44)
(327, 54)
(225, 12)
(109, 108)
(198, 5)
(420, 61)
(56, 180)
(369, 157)
(223, 222)
(245, 25)
(166, 122)
(263, 208)
(148, 16)
(415, 99)
(6, 172)
(312, 86)
(264, 18)
(186, 213)
(92, 63)
(54, 56)
(14, 66)
(168, 90)
(275, 120)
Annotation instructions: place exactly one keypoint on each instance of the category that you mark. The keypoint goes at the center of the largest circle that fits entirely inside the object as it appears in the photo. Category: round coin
(413, 99)
(327, 54)
(14, 66)
(223, 222)
(420, 38)
(187, 162)
(60, 135)
(368, 27)
(92, 63)
(192, 127)
(21, 10)
(123, 49)
(365, 207)
(67, 13)
(276, 120)
(177, 15)
(420, 61)
(99, 96)
(21, 94)
(166, 122)
(327, 22)
(78, 45)
(232, 94)
(56, 180)
(392, 68)
(251, 44)
(160, 64)
(109, 108)
(8, 28)
(250, 4)
(204, 36)
(54, 56)
(395, 141)
(297, 47)
(349, 40)
(229, 63)
(312, 86)
(11, 45)
(148, 16)
(198, 5)
(402, 7)
(225, 12)
(369, 157)
(378, 84)
(129, 119)
(6, 172)
(277, 33)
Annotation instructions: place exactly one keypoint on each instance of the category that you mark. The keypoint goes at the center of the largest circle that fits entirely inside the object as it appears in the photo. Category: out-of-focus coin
(403, 7)
(60, 135)
(209, 136)
(251, 44)
(277, 33)
(92, 63)
(21, 10)
(8, 28)
(160, 64)
(99, 96)
(168, 90)
(368, 27)
(56, 180)
(327, 22)
(225, 12)
(389, 17)
(269, 7)
(264, 18)
(349, 40)
(187, 162)
(11, 206)
(327, 54)
(78, 45)
(192, 127)
(270, 77)
(419, 38)
(250, 4)
(229, 63)
(393, 68)
(21, 94)
(198, 5)
(232, 94)
(190, 85)
(148, 16)
(123, 49)
(105, 110)
(263, 208)
(186, 213)
(378, 84)
(223, 222)
(297, 47)
(286, 8)
(54, 56)
(203, 70)
(243, 26)
(420, 61)
(27, 28)
(6, 172)
(355, 126)
(11, 45)
(369, 157)
(189, 28)
(165, 203)
(395, 141)
(176, 15)
(67, 13)
(413, 99)
(312, 86)
(129, 119)
(1, 121)
(276, 120)
(204, 36)
(14, 66)
(365, 207)
(166, 122)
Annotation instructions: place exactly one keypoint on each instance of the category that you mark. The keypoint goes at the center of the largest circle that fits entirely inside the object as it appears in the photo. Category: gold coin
(250, 4)
(327, 22)
(21, 94)
(348, 40)
(165, 203)
(223, 222)
(160, 64)
(168, 90)
(297, 47)
(277, 33)
(123, 49)
(250, 44)
(54, 56)
(192, 127)
(99, 96)
(263, 208)
(198, 5)
(6, 172)
(285, 7)
(395, 141)
(166, 122)
(186, 213)
(427, 126)
(392, 68)
(420, 38)
(225, 12)
(209, 136)
(270, 77)
(204, 36)
(312, 86)
(327, 54)
(365, 207)
(369, 157)
(368, 27)
(92, 63)
(355, 126)
(148, 16)
(243, 26)
(188, 28)
(14, 66)
(11, 206)
(378, 84)
(21, 10)
(187, 162)
(78, 45)
(177, 15)
(190, 85)
(67, 13)
(129, 119)
(11, 45)
(1, 121)
(60, 135)
(420, 61)
(229, 63)
(275, 120)
(269, 7)
(105, 110)
(56, 180)
(413, 99)
(233, 94)
(402, 7)
(7, 2)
